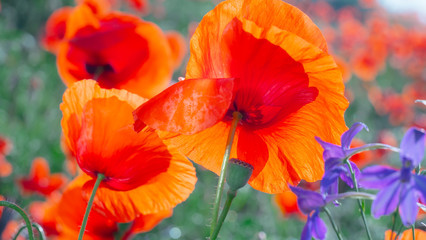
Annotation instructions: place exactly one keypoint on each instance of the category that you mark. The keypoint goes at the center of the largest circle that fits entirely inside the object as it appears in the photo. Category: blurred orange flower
(268, 61)
(11, 229)
(361, 159)
(287, 202)
(45, 213)
(5, 167)
(118, 50)
(143, 175)
(40, 180)
(406, 235)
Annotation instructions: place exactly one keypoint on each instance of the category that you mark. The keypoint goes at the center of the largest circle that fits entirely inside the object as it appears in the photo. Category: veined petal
(331, 151)
(187, 107)
(408, 208)
(378, 177)
(387, 199)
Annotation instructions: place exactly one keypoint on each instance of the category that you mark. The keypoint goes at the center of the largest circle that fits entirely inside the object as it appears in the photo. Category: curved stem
(236, 118)
(361, 209)
(23, 215)
(40, 231)
(19, 232)
(333, 223)
(229, 197)
(99, 179)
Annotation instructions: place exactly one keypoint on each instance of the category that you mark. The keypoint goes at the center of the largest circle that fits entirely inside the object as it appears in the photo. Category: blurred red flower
(40, 180)
(268, 61)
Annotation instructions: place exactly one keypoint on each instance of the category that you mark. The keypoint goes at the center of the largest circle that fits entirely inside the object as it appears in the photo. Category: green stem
(236, 118)
(23, 215)
(412, 231)
(99, 179)
(333, 223)
(373, 146)
(361, 209)
(395, 215)
(229, 197)
(19, 232)
(40, 231)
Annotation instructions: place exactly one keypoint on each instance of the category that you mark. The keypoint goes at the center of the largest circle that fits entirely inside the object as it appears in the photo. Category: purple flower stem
(395, 214)
(412, 231)
(361, 208)
(339, 236)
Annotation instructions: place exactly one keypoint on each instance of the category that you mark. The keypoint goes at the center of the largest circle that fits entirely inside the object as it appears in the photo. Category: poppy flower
(40, 180)
(5, 167)
(406, 235)
(142, 174)
(117, 50)
(5, 145)
(11, 229)
(268, 61)
(1, 208)
(145, 223)
(45, 214)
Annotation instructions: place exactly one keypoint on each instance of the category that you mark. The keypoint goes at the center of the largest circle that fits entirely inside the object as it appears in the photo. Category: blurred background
(380, 47)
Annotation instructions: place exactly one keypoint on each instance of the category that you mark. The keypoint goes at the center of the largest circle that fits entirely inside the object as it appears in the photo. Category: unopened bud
(238, 174)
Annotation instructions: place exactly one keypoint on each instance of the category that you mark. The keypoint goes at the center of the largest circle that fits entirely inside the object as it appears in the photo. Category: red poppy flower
(142, 174)
(55, 29)
(40, 180)
(269, 62)
(45, 214)
(361, 159)
(5, 145)
(5, 167)
(118, 50)
(11, 229)
(1, 208)
(146, 223)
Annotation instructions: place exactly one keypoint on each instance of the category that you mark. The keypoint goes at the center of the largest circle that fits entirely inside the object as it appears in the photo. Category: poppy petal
(187, 107)
(161, 193)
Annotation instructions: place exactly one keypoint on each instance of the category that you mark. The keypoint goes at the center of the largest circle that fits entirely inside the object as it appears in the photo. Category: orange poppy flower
(11, 229)
(118, 50)
(140, 5)
(406, 235)
(178, 46)
(40, 180)
(268, 61)
(70, 161)
(5, 145)
(5, 167)
(146, 223)
(142, 174)
(45, 214)
(287, 202)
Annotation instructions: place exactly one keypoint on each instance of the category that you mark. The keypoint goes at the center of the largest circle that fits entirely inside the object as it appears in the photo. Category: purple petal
(408, 208)
(330, 150)
(329, 182)
(413, 146)
(350, 134)
(307, 230)
(308, 201)
(319, 229)
(377, 177)
(386, 200)
(332, 163)
(346, 175)
(420, 183)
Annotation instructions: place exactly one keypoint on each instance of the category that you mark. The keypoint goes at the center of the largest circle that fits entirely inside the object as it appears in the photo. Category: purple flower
(334, 157)
(400, 188)
(310, 204)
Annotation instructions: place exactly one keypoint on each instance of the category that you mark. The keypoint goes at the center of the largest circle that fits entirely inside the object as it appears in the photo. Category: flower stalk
(229, 198)
(236, 117)
(23, 215)
(339, 236)
(99, 179)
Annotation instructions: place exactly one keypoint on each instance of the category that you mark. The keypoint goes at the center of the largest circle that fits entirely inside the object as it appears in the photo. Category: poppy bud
(238, 174)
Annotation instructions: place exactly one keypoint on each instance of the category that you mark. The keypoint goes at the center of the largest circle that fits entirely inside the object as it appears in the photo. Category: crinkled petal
(378, 177)
(413, 146)
(350, 134)
(387, 200)
(187, 107)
